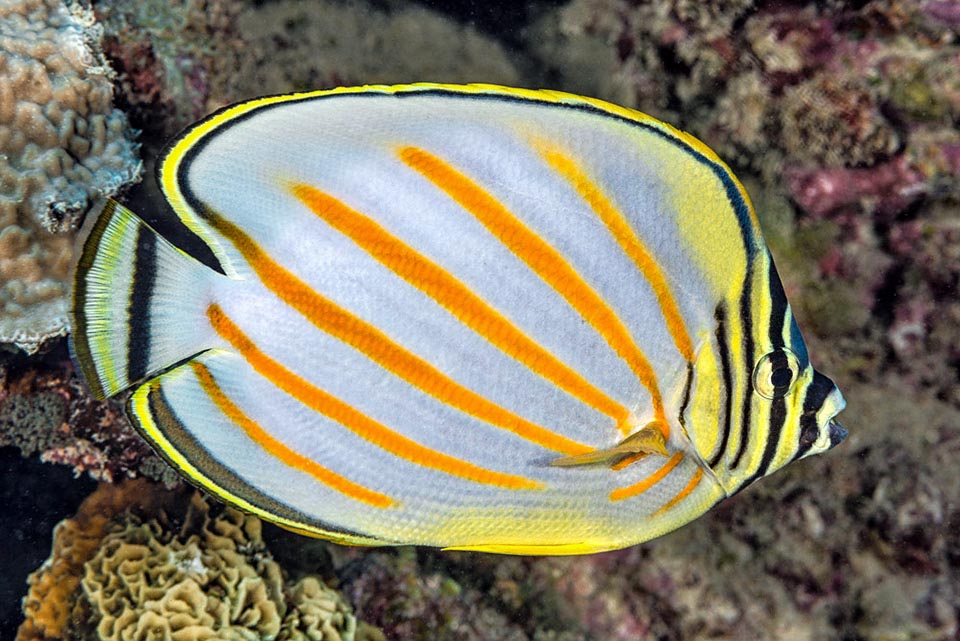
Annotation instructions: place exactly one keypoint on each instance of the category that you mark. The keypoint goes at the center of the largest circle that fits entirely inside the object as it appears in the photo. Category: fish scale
(465, 316)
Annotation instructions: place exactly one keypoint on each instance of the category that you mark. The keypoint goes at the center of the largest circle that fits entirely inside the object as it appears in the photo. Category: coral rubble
(62, 146)
(46, 410)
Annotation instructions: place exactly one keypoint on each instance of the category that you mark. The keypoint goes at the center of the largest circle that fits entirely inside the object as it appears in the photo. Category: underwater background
(841, 118)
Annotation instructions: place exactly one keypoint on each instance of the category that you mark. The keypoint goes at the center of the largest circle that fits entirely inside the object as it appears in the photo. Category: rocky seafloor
(841, 119)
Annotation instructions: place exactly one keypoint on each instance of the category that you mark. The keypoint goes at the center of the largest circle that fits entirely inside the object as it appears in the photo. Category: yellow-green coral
(211, 578)
(48, 604)
(318, 614)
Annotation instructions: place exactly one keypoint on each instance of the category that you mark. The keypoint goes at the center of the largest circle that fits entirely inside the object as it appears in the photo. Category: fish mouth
(837, 432)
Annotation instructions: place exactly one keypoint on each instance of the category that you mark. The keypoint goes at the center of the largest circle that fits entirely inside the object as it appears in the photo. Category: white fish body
(441, 310)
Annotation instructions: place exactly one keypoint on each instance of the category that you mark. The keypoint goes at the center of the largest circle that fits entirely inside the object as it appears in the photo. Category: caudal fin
(138, 303)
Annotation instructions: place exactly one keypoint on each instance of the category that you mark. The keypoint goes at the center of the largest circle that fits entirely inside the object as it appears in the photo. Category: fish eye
(775, 373)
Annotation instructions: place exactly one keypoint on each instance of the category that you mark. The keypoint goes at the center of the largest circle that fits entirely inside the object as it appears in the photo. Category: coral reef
(140, 563)
(49, 602)
(175, 60)
(768, 85)
(401, 593)
(317, 614)
(62, 146)
(294, 46)
(45, 409)
(847, 113)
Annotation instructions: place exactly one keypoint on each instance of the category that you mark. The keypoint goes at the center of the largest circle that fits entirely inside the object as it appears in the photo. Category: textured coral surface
(62, 146)
(139, 562)
(841, 118)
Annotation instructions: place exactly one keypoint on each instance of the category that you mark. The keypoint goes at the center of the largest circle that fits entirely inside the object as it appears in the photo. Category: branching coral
(62, 145)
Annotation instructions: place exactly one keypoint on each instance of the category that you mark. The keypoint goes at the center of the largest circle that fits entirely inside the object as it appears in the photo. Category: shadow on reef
(42, 496)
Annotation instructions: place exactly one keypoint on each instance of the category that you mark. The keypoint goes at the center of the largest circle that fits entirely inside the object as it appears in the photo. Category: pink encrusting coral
(885, 189)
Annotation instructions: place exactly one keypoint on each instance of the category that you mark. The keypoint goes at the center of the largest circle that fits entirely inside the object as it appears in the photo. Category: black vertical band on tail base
(138, 307)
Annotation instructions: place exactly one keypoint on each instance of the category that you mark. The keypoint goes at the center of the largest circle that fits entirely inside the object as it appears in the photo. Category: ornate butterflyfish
(471, 317)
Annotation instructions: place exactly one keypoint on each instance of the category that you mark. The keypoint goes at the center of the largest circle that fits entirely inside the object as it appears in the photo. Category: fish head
(794, 412)
(775, 410)
(816, 410)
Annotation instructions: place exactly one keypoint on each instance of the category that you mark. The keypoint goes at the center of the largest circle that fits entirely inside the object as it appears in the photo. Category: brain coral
(62, 146)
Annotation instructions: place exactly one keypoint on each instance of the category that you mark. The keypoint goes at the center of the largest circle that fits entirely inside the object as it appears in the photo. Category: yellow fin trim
(533, 549)
(174, 156)
(139, 408)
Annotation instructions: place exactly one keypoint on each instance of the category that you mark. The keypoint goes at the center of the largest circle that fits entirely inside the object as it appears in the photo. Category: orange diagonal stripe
(642, 486)
(628, 241)
(543, 259)
(366, 338)
(684, 492)
(281, 451)
(459, 300)
(354, 420)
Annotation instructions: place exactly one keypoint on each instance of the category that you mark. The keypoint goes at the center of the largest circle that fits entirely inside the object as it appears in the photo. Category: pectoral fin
(649, 440)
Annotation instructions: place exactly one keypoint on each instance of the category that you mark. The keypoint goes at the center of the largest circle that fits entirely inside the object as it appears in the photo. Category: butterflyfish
(471, 317)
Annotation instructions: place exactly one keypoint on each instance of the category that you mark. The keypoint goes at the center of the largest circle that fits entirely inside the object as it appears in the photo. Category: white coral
(62, 146)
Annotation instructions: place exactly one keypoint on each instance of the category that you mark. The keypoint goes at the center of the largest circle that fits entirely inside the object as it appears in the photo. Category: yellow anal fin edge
(535, 549)
(649, 440)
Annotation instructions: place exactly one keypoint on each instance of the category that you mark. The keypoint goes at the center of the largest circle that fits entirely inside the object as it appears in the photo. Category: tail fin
(138, 303)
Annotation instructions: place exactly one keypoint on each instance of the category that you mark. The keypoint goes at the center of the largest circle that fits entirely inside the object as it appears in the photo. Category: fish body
(471, 317)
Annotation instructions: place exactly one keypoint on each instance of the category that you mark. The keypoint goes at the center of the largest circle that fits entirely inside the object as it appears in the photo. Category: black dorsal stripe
(138, 306)
(778, 304)
(720, 314)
